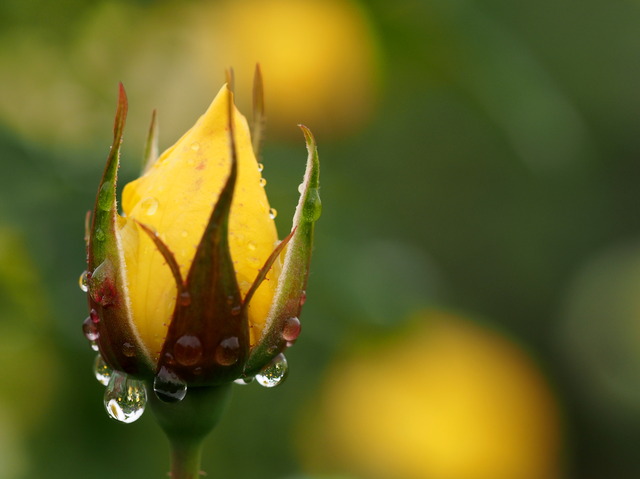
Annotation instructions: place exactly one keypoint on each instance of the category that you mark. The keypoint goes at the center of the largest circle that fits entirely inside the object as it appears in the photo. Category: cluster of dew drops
(125, 398)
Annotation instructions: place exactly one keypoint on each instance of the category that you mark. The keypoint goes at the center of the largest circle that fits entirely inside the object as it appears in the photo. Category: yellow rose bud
(190, 285)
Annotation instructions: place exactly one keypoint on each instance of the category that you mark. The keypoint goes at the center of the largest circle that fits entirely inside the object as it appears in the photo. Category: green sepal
(290, 291)
(118, 342)
(209, 305)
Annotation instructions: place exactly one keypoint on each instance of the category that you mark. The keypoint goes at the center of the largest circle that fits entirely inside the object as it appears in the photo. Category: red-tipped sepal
(208, 339)
(282, 325)
(110, 316)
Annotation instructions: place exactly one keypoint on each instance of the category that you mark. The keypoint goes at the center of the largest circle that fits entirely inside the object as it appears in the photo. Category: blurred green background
(474, 306)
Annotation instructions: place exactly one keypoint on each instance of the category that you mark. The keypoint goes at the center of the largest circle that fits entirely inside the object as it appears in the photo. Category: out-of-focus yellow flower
(190, 286)
(448, 400)
(321, 57)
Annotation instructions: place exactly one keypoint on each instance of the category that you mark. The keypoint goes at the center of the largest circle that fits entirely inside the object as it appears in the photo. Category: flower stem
(185, 459)
(187, 423)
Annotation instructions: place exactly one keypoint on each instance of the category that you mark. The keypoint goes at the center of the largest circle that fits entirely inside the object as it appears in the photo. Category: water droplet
(274, 373)
(124, 398)
(168, 386)
(195, 146)
(312, 208)
(102, 287)
(149, 205)
(236, 310)
(253, 261)
(228, 351)
(184, 298)
(187, 350)
(260, 167)
(263, 182)
(291, 330)
(90, 329)
(93, 314)
(303, 298)
(243, 381)
(102, 371)
(251, 245)
(105, 196)
(129, 350)
(273, 213)
(84, 281)
(100, 236)
(94, 346)
(301, 188)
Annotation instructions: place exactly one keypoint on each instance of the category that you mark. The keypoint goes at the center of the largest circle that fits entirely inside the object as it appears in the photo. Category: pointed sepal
(207, 342)
(282, 325)
(110, 310)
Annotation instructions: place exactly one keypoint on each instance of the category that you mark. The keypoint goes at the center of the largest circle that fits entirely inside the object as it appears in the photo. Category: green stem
(187, 423)
(185, 459)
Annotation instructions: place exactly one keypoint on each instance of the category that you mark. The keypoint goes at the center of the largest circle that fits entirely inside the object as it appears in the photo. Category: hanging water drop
(124, 398)
(102, 371)
(273, 213)
(228, 351)
(303, 298)
(291, 330)
(84, 281)
(301, 188)
(105, 196)
(273, 373)
(263, 182)
(187, 350)
(94, 346)
(149, 205)
(260, 167)
(244, 381)
(168, 386)
(90, 329)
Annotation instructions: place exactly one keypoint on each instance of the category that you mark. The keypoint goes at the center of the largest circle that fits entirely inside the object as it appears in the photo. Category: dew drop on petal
(251, 245)
(83, 282)
(187, 350)
(291, 329)
(124, 398)
(149, 205)
(168, 386)
(263, 181)
(228, 351)
(102, 371)
(273, 373)
(90, 329)
(195, 146)
(105, 196)
(260, 167)
(273, 213)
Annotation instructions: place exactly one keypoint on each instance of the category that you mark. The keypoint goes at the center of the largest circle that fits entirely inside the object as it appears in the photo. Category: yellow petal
(175, 198)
